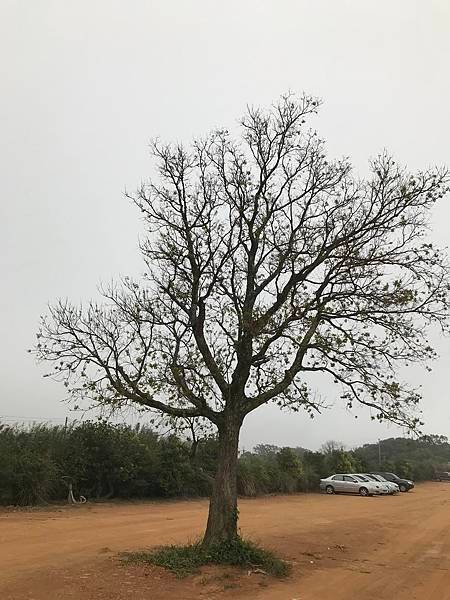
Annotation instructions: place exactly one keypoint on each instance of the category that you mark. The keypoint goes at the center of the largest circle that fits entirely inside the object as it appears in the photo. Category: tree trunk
(223, 510)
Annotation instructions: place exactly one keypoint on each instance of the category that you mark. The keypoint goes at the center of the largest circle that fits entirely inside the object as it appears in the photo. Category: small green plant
(185, 560)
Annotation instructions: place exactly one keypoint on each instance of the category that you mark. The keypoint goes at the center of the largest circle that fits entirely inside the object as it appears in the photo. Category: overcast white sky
(85, 84)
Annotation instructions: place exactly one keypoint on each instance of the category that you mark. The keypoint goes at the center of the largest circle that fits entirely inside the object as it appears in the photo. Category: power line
(69, 418)
(25, 418)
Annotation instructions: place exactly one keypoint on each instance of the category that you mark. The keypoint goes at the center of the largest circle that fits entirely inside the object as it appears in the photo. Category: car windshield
(361, 478)
(374, 477)
(378, 478)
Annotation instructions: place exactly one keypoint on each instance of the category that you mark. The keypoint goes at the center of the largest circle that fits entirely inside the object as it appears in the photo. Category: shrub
(103, 460)
(184, 560)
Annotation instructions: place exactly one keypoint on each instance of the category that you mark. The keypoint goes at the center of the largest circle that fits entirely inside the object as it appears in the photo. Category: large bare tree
(267, 264)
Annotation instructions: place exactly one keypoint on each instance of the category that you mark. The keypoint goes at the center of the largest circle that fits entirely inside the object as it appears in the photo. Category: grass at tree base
(186, 560)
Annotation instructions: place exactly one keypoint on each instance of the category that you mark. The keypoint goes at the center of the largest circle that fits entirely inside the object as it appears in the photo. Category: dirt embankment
(341, 548)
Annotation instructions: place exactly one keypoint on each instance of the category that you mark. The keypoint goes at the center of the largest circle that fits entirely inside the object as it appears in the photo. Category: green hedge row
(116, 461)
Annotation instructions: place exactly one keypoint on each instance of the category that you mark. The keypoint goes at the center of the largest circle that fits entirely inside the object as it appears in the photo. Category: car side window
(348, 478)
(337, 478)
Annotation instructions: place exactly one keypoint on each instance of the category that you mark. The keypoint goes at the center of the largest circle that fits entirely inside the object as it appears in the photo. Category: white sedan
(393, 487)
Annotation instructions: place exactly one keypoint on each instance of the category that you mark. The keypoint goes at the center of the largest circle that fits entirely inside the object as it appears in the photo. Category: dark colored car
(442, 476)
(404, 484)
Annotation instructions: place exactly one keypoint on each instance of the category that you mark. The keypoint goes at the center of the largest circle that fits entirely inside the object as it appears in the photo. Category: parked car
(350, 484)
(392, 487)
(404, 484)
(442, 476)
(385, 485)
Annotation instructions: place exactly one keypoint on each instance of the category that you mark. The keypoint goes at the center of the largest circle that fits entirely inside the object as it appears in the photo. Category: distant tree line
(104, 461)
(417, 459)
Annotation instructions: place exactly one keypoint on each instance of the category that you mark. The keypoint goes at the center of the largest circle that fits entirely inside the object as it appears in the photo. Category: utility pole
(379, 453)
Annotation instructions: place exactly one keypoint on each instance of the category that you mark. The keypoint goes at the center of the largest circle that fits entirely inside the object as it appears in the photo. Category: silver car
(350, 484)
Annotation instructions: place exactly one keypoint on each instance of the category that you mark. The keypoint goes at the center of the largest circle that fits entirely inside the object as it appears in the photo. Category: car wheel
(402, 488)
(329, 489)
(363, 491)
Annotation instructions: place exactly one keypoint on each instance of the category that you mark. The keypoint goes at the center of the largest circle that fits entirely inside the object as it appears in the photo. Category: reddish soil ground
(341, 548)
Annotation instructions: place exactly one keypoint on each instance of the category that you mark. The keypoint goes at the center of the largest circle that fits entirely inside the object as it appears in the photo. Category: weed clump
(187, 559)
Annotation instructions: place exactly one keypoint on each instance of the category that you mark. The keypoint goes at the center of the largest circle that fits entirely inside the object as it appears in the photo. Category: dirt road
(341, 548)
